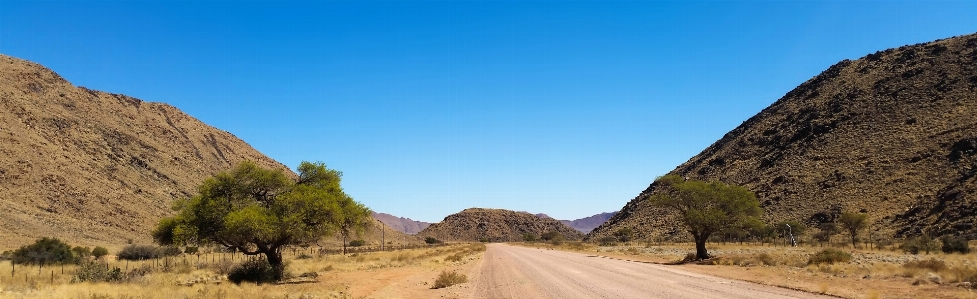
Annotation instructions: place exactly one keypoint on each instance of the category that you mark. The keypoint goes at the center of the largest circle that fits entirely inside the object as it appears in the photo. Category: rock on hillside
(893, 134)
(97, 168)
(405, 225)
(495, 225)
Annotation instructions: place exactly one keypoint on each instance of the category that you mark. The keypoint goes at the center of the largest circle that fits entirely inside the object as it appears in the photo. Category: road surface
(518, 272)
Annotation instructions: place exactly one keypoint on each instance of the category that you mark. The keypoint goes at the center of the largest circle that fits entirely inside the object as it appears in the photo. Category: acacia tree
(706, 207)
(257, 211)
(853, 223)
(353, 217)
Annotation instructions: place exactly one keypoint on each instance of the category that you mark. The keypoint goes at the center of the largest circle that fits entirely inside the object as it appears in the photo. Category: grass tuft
(447, 279)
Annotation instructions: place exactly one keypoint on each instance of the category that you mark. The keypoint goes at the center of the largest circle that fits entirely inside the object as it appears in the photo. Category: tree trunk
(275, 260)
(344, 244)
(700, 249)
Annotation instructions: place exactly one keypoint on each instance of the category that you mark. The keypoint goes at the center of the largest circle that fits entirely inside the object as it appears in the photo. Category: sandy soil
(519, 272)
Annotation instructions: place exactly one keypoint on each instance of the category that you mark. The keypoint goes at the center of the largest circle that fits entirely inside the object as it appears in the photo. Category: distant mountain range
(405, 225)
(586, 224)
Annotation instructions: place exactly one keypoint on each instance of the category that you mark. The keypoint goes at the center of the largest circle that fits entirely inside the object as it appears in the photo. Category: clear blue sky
(565, 108)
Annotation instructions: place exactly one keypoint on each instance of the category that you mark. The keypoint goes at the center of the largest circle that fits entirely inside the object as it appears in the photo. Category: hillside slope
(404, 225)
(94, 167)
(495, 225)
(893, 134)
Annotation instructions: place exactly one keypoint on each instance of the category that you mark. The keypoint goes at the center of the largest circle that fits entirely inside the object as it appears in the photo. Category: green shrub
(431, 240)
(258, 271)
(955, 245)
(931, 264)
(529, 237)
(915, 245)
(357, 243)
(97, 272)
(99, 252)
(44, 251)
(624, 234)
(548, 236)
(829, 256)
(607, 241)
(138, 252)
(191, 250)
(447, 279)
(170, 251)
(81, 252)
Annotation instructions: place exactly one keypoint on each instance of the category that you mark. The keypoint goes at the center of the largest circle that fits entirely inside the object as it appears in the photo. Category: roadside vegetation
(210, 271)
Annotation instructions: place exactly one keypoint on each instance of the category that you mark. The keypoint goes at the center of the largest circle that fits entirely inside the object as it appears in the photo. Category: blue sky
(564, 108)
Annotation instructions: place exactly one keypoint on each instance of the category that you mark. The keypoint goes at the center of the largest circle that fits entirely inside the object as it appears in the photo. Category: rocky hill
(495, 225)
(892, 134)
(97, 168)
(405, 225)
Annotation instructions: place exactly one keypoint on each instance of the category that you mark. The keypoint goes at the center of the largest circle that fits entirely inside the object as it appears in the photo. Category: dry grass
(447, 279)
(207, 278)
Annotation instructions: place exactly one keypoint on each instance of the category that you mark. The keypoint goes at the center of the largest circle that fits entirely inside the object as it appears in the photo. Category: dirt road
(519, 272)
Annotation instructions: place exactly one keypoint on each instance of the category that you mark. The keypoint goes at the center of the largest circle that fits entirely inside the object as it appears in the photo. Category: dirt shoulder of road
(874, 274)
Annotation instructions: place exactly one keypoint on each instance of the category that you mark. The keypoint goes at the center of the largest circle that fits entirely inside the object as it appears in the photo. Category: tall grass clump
(932, 264)
(829, 256)
(447, 279)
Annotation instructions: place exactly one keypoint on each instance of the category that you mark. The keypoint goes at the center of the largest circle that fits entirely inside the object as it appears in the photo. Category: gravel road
(519, 272)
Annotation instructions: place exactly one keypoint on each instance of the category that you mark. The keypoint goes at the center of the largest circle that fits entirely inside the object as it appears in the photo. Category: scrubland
(397, 273)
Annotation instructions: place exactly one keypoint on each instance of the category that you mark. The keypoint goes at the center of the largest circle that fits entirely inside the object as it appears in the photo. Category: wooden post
(52, 276)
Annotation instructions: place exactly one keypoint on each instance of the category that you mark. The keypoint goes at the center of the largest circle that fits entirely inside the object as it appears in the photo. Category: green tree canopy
(706, 207)
(44, 251)
(256, 211)
(853, 223)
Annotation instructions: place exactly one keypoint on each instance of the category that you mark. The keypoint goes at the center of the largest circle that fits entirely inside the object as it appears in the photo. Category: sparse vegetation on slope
(891, 135)
(92, 167)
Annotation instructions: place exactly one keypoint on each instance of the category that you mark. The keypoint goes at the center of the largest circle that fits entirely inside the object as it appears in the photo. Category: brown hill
(892, 134)
(97, 168)
(405, 225)
(495, 225)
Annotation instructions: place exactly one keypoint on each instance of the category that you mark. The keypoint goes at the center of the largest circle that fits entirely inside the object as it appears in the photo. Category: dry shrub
(633, 251)
(579, 246)
(403, 257)
(829, 256)
(454, 257)
(447, 279)
(931, 264)
(963, 274)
